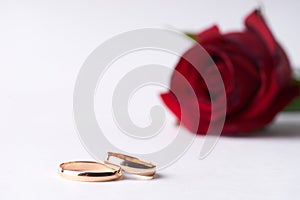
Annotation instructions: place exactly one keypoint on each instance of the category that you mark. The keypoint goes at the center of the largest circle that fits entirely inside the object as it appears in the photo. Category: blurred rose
(256, 74)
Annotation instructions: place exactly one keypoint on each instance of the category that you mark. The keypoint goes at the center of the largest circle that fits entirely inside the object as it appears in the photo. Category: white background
(42, 47)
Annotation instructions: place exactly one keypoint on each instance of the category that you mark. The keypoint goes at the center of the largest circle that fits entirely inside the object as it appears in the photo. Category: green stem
(192, 36)
(294, 106)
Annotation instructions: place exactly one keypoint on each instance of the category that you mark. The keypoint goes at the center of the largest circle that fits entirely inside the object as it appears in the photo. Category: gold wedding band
(89, 171)
(111, 169)
(131, 165)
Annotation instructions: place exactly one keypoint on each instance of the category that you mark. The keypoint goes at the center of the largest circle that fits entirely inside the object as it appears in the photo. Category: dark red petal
(208, 34)
(234, 125)
(170, 100)
(257, 24)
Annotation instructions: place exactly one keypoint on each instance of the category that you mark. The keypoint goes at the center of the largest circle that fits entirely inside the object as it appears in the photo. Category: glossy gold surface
(89, 171)
(132, 165)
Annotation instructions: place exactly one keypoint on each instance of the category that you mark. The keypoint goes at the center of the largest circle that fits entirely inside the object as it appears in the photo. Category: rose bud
(256, 74)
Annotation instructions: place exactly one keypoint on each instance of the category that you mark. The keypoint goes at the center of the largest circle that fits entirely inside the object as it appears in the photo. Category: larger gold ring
(131, 165)
(89, 171)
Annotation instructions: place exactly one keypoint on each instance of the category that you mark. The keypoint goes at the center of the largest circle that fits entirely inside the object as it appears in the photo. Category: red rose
(256, 73)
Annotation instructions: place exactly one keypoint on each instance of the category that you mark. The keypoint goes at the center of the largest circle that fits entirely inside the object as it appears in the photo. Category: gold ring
(89, 171)
(131, 165)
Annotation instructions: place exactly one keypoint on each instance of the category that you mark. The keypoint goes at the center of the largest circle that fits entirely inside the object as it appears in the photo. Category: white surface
(43, 45)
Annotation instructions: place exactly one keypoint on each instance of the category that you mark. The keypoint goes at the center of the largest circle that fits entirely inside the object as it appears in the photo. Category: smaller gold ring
(131, 165)
(89, 171)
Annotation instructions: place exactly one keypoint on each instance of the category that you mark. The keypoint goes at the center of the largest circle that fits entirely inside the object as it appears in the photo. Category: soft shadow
(277, 130)
(159, 176)
(127, 176)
